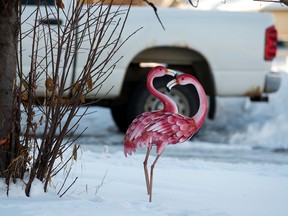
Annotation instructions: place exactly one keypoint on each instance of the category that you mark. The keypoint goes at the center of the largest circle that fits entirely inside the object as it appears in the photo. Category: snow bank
(257, 124)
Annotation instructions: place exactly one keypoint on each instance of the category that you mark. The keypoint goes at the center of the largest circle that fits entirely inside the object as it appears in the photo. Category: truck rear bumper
(272, 82)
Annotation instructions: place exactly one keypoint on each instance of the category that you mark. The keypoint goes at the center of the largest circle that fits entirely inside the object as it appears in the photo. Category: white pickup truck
(230, 53)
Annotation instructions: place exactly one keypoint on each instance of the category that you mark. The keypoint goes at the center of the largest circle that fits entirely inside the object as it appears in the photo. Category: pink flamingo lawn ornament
(165, 126)
(133, 138)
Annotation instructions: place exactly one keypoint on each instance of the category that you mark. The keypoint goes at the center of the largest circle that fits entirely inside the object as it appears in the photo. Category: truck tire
(119, 115)
(141, 100)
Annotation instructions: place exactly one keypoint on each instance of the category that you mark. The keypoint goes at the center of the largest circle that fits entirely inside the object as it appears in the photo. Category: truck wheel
(141, 100)
(119, 115)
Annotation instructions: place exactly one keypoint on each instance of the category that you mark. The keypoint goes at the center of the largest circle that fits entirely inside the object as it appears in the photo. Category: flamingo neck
(168, 103)
(200, 116)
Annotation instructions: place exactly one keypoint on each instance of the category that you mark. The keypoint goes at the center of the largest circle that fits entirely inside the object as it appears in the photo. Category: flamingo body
(158, 128)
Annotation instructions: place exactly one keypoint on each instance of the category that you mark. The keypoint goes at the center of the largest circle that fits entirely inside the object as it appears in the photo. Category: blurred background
(241, 132)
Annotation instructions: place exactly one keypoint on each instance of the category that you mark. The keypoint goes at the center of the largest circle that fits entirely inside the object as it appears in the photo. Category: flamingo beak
(171, 84)
(172, 73)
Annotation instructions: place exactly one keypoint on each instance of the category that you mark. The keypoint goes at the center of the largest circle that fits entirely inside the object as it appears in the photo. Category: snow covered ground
(235, 166)
(114, 185)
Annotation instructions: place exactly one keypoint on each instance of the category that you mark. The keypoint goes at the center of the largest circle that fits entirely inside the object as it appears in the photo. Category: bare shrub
(57, 37)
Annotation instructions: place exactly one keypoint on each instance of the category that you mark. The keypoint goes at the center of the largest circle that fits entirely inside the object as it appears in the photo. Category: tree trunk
(8, 60)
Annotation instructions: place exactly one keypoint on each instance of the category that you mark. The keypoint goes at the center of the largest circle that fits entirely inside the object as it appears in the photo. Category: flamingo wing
(136, 135)
(159, 128)
(139, 125)
(173, 127)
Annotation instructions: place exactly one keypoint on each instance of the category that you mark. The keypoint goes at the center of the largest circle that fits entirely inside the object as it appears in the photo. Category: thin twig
(194, 5)
(69, 186)
(101, 184)
(155, 11)
(64, 181)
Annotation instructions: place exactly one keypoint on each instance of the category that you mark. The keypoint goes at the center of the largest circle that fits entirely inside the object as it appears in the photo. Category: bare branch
(194, 5)
(155, 11)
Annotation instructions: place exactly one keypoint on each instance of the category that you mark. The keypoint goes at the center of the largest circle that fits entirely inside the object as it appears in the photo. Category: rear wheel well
(181, 59)
(134, 92)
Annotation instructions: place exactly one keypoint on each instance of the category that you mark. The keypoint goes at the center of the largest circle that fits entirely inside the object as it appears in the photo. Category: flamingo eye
(182, 78)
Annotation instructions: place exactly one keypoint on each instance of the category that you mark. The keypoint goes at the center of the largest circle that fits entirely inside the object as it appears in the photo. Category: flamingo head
(183, 79)
(160, 71)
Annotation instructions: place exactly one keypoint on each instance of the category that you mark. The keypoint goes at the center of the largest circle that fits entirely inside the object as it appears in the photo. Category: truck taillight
(270, 43)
